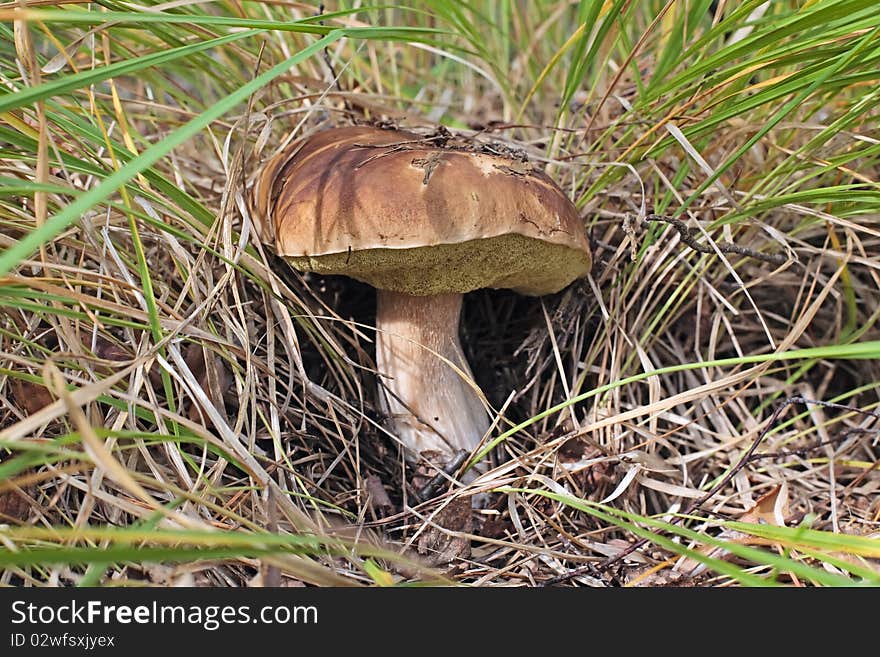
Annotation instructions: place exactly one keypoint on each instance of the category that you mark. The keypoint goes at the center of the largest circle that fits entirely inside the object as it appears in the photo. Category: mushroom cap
(392, 209)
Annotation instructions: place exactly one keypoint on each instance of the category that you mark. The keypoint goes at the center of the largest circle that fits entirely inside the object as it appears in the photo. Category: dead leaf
(572, 450)
(14, 503)
(499, 527)
(30, 397)
(215, 381)
(378, 496)
(770, 509)
(105, 350)
(442, 546)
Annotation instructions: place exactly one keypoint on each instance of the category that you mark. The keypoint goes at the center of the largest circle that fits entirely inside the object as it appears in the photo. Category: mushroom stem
(429, 390)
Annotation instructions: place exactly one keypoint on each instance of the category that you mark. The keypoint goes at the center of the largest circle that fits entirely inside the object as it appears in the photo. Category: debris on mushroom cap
(395, 210)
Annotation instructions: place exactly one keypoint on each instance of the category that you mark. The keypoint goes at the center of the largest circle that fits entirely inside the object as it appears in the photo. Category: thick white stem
(429, 390)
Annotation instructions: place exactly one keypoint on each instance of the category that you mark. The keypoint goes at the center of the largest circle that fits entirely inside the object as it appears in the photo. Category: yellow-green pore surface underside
(524, 264)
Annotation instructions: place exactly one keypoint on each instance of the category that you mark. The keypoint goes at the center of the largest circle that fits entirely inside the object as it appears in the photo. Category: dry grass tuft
(236, 394)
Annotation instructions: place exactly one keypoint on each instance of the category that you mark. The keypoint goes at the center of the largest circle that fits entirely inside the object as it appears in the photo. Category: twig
(325, 55)
(689, 237)
(803, 452)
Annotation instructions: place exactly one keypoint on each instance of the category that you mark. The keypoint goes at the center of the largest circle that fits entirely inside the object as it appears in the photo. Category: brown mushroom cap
(391, 209)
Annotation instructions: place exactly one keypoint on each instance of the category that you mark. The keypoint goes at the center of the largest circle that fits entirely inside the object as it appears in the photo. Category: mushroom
(423, 224)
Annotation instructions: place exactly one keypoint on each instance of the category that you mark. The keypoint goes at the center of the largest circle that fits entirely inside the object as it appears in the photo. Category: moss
(524, 264)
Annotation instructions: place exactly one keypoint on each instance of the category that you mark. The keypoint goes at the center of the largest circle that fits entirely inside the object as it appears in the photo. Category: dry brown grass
(273, 424)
